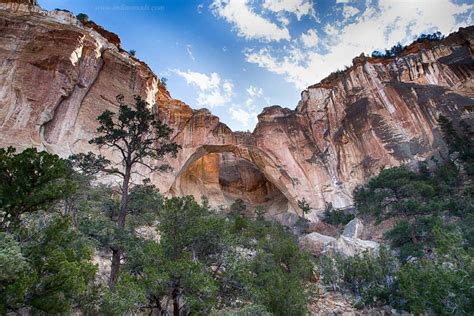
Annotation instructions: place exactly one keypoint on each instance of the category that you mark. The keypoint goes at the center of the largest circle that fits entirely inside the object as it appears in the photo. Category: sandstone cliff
(58, 74)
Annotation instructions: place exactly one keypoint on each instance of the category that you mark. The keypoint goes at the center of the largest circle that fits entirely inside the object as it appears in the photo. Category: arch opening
(226, 175)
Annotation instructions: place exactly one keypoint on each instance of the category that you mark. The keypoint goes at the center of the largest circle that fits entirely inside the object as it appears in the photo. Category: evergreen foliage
(137, 136)
(304, 207)
(45, 264)
(433, 238)
(336, 216)
(398, 49)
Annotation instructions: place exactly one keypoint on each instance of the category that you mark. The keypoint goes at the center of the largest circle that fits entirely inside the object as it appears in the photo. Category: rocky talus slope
(58, 74)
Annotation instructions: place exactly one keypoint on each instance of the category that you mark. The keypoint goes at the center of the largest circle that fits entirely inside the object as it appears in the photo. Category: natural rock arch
(255, 156)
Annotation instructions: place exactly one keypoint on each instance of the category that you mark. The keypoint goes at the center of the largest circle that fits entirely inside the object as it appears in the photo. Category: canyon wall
(58, 74)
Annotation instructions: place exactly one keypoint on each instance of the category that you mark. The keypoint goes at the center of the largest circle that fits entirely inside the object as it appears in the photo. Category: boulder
(349, 247)
(315, 242)
(353, 229)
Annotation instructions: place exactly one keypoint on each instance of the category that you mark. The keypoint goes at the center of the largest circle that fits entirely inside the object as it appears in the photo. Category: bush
(416, 238)
(62, 10)
(394, 51)
(238, 208)
(209, 261)
(437, 287)
(83, 17)
(398, 49)
(251, 310)
(337, 216)
(433, 237)
(434, 37)
(164, 81)
(441, 286)
(371, 279)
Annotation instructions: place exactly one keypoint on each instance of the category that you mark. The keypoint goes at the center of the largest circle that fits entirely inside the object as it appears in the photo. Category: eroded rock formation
(224, 178)
(58, 74)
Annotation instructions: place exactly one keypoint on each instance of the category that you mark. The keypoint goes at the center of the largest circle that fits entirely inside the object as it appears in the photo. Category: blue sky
(236, 57)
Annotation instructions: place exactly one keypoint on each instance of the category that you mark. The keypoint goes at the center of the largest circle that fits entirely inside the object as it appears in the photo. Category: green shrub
(337, 216)
(371, 279)
(83, 17)
(437, 287)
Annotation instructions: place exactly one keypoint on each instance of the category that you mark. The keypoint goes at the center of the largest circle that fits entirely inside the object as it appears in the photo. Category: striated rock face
(57, 75)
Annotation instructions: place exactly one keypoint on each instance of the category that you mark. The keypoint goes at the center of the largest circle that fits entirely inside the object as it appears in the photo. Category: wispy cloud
(298, 7)
(212, 90)
(310, 38)
(254, 92)
(380, 25)
(190, 52)
(349, 11)
(200, 8)
(246, 118)
(247, 22)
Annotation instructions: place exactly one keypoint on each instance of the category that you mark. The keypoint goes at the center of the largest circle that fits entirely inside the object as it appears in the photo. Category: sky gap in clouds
(237, 56)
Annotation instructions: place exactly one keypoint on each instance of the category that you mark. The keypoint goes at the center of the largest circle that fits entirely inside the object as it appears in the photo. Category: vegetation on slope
(54, 217)
(175, 255)
(430, 267)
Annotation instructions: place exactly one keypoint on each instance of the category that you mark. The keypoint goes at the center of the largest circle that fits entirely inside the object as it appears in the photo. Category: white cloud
(343, 1)
(349, 11)
(249, 24)
(245, 118)
(200, 8)
(297, 7)
(212, 90)
(310, 38)
(190, 52)
(331, 30)
(377, 27)
(283, 19)
(254, 92)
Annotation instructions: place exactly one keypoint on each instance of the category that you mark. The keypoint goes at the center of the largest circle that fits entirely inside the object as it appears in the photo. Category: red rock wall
(57, 75)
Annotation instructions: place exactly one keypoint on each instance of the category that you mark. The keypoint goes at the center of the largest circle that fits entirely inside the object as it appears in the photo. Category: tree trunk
(175, 297)
(115, 267)
(124, 201)
(117, 253)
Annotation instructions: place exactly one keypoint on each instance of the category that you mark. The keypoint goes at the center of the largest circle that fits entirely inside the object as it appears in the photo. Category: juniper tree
(304, 206)
(138, 137)
(44, 263)
(30, 181)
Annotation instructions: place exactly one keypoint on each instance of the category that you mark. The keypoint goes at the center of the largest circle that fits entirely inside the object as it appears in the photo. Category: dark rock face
(58, 74)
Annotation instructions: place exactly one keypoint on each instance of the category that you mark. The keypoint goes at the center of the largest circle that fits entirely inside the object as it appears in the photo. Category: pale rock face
(315, 243)
(353, 229)
(57, 75)
(350, 247)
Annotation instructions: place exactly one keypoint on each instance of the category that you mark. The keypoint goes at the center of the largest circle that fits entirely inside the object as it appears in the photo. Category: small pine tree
(304, 207)
(82, 17)
(238, 208)
(164, 81)
(260, 212)
(137, 135)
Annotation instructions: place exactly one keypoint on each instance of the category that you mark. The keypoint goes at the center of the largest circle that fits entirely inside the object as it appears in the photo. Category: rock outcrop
(348, 244)
(353, 229)
(350, 247)
(315, 243)
(58, 74)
